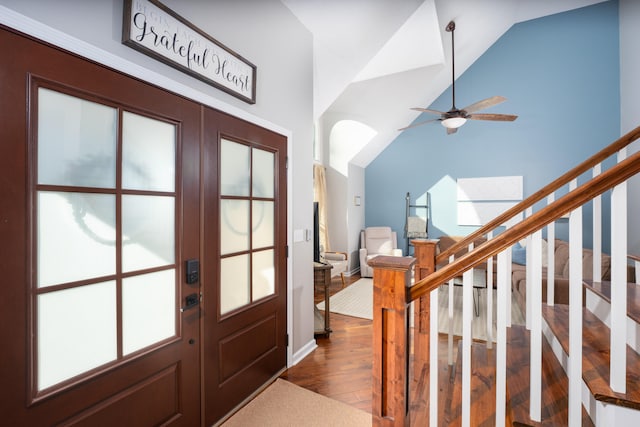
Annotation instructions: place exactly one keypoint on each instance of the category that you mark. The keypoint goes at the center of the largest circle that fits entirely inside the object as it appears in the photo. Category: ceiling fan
(454, 118)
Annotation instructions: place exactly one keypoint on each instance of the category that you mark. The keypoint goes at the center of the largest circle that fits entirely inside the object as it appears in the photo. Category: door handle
(191, 301)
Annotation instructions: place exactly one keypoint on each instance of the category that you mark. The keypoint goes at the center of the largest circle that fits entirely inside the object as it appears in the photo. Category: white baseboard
(352, 272)
(304, 351)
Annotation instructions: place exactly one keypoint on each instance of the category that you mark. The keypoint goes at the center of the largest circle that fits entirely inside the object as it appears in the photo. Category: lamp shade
(453, 122)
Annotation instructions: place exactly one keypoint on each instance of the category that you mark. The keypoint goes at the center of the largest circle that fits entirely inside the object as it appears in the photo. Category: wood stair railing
(539, 195)
(550, 213)
(393, 291)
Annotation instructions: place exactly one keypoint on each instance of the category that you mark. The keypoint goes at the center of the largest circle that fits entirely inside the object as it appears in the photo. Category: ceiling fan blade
(493, 117)
(485, 103)
(426, 110)
(451, 131)
(419, 124)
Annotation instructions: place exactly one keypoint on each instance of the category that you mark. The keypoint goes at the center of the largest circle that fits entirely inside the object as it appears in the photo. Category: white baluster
(433, 358)
(618, 360)
(597, 231)
(534, 247)
(551, 258)
(489, 283)
(575, 315)
(508, 299)
(529, 254)
(450, 312)
(504, 287)
(467, 313)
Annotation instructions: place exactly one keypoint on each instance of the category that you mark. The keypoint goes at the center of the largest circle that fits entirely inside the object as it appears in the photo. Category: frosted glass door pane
(263, 274)
(148, 153)
(77, 331)
(235, 289)
(148, 230)
(76, 237)
(234, 169)
(234, 226)
(263, 173)
(263, 227)
(148, 309)
(76, 141)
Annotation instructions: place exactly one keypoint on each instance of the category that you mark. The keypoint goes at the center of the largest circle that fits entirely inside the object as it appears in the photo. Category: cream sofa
(561, 276)
(561, 264)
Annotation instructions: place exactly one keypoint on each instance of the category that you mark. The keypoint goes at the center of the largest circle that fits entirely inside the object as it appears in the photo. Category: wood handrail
(541, 194)
(567, 203)
(633, 257)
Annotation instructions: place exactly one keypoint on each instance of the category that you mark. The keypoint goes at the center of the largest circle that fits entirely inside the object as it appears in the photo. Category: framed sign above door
(155, 30)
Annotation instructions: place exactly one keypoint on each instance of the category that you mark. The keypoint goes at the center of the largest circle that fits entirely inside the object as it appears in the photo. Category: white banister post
(551, 257)
(575, 315)
(528, 254)
(597, 231)
(504, 287)
(489, 283)
(433, 358)
(450, 313)
(535, 377)
(467, 317)
(618, 360)
(508, 300)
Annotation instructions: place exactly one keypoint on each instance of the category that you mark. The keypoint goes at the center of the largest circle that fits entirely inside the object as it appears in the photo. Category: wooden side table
(322, 277)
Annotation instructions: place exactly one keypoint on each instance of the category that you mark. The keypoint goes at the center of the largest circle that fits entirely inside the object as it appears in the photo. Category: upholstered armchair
(376, 241)
(340, 263)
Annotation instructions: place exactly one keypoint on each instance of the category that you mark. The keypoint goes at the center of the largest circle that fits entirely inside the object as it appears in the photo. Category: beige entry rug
(357, 300)
(284, 404)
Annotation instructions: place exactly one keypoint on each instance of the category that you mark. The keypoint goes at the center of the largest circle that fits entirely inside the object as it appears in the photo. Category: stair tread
(603, 289)
(554, 410)
(595, 355)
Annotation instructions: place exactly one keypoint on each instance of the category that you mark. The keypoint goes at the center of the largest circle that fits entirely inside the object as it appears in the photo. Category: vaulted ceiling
(374, 59)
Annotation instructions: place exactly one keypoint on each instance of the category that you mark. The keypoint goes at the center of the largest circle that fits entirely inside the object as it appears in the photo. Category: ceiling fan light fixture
(453, 122)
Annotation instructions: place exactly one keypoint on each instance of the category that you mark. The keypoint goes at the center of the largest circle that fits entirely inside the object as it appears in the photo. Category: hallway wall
(560, 75)
(267, 34)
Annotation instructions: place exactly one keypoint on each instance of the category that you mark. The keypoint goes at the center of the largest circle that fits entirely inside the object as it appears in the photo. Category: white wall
(337, 209)
(268, 35)
(355, 214)
(630, 103)
(345, 219)
(344, 181)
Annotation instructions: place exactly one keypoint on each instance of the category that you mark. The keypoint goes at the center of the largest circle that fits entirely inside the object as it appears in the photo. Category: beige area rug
(284, 404)
(357, 300)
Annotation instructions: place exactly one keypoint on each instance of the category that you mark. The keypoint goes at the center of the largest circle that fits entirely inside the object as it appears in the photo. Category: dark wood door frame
(15, 156)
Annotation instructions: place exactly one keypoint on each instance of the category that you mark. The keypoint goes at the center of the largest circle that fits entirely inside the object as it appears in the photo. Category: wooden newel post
(425, 253)
(391, 282)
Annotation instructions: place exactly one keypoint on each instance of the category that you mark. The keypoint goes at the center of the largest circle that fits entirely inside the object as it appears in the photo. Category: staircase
(601, 405)
(575, 364)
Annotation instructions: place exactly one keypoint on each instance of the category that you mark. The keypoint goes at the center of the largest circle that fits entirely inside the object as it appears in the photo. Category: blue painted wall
(560, 75)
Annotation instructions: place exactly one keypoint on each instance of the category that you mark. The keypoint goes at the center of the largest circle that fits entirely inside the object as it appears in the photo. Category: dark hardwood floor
(340, 368)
